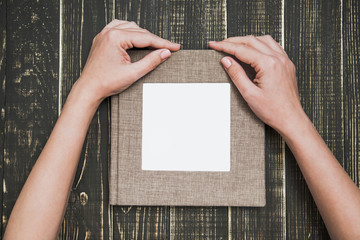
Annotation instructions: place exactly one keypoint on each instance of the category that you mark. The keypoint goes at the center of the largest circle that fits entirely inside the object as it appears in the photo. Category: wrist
(85, 95)
(82, 95)
(296, 124)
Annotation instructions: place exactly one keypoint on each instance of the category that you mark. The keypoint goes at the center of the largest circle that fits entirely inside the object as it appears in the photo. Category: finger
(267, 39)
(252, 42)
(142, 40)
(242, 52)
(245, 86)
(149, 62)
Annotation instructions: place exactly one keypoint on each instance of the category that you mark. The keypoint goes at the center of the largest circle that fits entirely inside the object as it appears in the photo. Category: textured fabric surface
(244, 185)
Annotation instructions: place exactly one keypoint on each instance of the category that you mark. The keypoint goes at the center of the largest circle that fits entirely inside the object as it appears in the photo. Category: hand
(109, 70)
(273, 94)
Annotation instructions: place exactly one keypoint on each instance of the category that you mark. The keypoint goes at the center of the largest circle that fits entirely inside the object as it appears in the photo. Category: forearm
(40, 207)
(108, 71)
(273, 97)
(335, 194)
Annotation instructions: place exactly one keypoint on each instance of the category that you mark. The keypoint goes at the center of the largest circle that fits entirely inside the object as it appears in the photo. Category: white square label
(186, 127)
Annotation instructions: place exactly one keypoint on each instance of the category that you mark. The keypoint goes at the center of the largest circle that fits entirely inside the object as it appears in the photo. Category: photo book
(183, 136)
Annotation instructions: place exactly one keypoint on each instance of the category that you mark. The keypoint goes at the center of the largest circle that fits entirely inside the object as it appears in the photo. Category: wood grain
(88, 213)
(199, 223)
(313, 42)
(351, 90)
(193, 23)
(31, 90)
(259, 17)
(141, 222)
(2, 93)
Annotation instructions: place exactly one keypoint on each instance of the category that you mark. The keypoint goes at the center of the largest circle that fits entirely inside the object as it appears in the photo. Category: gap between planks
(229, 208)
(110, 208)
(283, 145)
(342, 77)
(60, 55)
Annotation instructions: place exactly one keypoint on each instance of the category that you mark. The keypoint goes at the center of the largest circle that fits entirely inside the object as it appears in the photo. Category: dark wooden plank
(88, 213)
(313, 42)
(199, 223)
(2, 93)
(136, 222)
(247, 17)
(193, 23)
(31, 89)
(351, 91)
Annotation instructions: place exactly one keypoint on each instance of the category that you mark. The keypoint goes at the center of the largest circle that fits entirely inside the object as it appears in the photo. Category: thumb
(237, 74)
(150, 62)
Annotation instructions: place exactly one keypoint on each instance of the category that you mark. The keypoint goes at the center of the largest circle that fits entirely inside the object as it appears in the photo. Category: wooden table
(44, 45)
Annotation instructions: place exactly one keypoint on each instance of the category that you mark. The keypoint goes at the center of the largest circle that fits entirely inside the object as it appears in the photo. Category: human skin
(273, 96)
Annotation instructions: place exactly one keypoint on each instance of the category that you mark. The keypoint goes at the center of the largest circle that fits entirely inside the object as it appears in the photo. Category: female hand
(109, 70)
(273, 94)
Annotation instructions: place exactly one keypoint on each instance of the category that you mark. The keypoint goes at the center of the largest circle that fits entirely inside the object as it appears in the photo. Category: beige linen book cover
(243, 185)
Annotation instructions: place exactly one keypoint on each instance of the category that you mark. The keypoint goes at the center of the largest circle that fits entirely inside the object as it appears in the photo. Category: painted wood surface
(2, 92)
(31, 90)
(313, 43)
(259, 17)
(88, 213)
(351, 87)
(37, 72)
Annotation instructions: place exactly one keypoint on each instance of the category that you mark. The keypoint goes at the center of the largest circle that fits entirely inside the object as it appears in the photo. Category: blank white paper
(186, 127)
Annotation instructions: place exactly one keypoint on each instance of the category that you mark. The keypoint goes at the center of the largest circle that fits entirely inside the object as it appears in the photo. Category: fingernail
(226, 62)
(212, 42)
(165, 54)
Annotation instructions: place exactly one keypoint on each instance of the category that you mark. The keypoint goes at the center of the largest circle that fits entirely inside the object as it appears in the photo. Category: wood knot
(83, 198)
